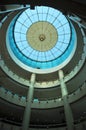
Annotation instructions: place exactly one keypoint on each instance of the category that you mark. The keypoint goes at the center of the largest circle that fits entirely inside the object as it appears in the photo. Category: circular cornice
(38, 104)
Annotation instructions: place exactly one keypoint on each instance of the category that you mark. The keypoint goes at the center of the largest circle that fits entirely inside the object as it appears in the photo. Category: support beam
(67, 108)
(27, 112)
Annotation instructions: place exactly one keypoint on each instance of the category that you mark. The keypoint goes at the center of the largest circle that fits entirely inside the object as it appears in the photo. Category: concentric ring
(31, 48)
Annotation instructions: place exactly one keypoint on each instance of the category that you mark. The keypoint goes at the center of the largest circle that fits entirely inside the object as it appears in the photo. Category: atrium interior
(43, 65)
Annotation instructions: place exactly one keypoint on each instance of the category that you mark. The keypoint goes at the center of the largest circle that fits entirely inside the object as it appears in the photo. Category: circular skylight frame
(45, 14)
(30, 65)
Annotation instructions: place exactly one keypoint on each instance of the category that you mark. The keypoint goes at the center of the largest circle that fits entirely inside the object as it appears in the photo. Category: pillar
(27, 112)
(67, 108)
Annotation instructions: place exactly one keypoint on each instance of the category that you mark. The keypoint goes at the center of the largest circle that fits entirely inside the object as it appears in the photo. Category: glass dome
(41, 39)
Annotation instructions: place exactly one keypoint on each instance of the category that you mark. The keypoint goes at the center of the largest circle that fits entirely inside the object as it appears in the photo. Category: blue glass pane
(52, 19)
(66, 28)
(61, 17)
(61, 38)
(51, 11)
(27, 23)
(23, 37)
(57, 24)
(40, 17)
(17, 37)
(41, 57)
(24, 29)
(39, 10)
(44, 17)
(32, 19)
(19, 44)
(64, 46)
(45, 10)
(24, 51)
(33, 12)
(24, 44)
(28, 13)
(49, 18)
(20, 20)
(64, 21)
(42, 54)
(67, 38)
(18, 27)
(35, 17)
(61, 31)
(56, 13)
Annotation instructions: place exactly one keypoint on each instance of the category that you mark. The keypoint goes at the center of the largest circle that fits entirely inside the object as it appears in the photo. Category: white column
(67, 108)
(27, 112)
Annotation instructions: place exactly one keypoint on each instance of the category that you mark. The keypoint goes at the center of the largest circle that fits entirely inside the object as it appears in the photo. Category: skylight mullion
(24, 48)
(23, 24)
(20, 32)
(31, 52)
(37, 13)
(56, 18)
(52, 54)
(28, 17)
(62, 25)
(63, 42)
(65, 34)
(58, 47)
(22, 40)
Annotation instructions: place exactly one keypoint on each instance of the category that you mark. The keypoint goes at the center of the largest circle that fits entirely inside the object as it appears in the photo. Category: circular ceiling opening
(42, 40)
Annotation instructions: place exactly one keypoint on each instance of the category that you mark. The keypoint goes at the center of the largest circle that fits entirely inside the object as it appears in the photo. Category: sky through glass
(42, 37)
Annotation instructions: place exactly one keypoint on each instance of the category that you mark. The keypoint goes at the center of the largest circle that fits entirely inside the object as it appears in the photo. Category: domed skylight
(41, 38)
